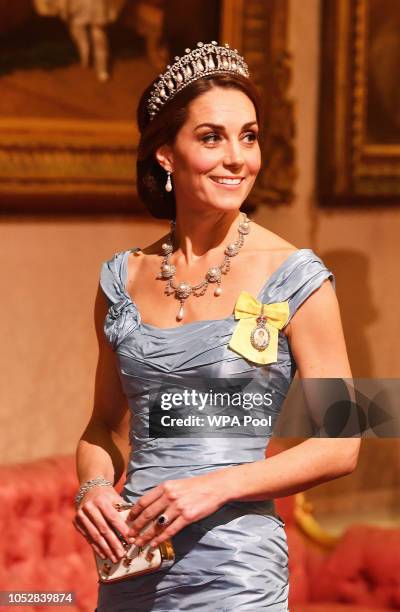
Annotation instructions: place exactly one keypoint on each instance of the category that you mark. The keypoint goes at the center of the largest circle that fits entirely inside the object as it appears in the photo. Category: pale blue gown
(235, 559)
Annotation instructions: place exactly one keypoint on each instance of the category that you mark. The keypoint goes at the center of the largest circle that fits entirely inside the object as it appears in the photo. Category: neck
(195, 235)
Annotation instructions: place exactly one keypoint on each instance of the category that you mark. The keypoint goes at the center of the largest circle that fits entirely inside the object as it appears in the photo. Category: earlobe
(164, 158)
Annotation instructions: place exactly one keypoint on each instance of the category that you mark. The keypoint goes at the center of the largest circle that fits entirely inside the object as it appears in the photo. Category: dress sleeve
(122, 317)
(110, 278)
(303, 279)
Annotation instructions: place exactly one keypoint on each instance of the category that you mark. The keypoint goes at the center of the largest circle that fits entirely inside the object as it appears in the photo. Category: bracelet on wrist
(99, 481)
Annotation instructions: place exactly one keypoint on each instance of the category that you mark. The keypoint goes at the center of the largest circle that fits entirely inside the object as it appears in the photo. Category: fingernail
(131, 539)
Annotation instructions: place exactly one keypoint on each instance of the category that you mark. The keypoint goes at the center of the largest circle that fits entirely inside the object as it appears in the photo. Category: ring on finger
(162, 520)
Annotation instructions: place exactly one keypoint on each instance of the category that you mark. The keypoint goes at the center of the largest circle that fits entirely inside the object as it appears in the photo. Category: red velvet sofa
(40, 549)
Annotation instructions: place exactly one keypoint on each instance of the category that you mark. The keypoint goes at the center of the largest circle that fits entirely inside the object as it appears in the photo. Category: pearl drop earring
(168, 184)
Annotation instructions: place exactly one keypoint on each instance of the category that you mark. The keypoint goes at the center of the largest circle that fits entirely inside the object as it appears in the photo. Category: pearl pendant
(179, 316)
(218, 291)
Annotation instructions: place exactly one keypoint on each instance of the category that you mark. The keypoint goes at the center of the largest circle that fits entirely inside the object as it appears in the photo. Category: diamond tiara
(209, 58)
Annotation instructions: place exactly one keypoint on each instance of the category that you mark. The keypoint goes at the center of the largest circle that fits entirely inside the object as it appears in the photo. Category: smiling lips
(229, 181)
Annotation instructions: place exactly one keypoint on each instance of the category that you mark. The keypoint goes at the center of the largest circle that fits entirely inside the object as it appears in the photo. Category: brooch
(256, 335)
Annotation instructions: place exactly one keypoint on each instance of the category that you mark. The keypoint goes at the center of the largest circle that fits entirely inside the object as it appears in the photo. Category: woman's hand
(182, 501)
(95, 519)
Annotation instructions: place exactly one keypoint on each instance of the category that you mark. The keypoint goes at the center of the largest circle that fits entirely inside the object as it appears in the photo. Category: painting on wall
(71, 83)
(359, 142)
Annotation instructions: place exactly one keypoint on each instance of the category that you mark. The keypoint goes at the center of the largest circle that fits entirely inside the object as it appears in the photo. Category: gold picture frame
(359, 124)
(76, 165)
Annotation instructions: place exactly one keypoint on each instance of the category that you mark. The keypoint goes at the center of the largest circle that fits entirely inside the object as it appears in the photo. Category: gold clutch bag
(137, 560)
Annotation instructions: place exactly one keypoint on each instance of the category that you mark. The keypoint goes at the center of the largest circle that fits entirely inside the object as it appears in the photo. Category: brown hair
(163, 129)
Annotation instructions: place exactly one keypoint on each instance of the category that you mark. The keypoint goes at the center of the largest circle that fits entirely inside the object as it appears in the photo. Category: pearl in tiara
(209, 58)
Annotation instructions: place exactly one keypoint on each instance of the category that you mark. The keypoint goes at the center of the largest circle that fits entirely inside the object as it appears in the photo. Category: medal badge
(256, 334)
(260, 336)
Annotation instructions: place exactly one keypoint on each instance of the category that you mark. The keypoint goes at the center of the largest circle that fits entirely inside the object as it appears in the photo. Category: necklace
(213, 275)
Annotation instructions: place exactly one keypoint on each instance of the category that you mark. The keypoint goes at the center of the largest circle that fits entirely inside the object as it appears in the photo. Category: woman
(198, 159)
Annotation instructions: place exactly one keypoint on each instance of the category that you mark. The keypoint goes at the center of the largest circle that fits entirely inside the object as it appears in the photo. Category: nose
(233, 155)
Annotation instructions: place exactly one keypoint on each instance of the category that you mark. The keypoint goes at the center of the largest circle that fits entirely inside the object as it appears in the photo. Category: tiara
(209, 58)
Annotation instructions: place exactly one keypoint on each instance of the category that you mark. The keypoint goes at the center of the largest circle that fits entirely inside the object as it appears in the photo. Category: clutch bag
(137, 560)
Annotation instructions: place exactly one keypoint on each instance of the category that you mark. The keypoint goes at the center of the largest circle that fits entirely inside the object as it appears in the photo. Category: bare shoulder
(143, 257)
(154, 248)
(265, 242)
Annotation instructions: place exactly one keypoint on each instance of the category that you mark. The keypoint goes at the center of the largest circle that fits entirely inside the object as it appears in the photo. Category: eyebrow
(215, 126)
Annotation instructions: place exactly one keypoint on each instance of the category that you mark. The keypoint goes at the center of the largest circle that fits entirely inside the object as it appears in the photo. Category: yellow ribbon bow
(247, 309)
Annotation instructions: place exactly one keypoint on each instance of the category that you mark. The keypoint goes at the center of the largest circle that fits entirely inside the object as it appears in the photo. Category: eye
(211, 138)
(251, 136)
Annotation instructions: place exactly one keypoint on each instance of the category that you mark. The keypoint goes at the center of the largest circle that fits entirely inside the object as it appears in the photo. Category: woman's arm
(317, 342)
(103, 448)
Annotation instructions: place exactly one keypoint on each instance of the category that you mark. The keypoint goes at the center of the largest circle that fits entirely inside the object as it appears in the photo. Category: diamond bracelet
(93, 482)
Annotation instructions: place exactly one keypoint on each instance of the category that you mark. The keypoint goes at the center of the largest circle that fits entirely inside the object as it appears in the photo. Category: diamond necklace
(213, 275)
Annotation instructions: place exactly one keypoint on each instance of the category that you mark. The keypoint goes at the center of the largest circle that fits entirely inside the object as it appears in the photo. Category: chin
(227, 206)
(230, 201)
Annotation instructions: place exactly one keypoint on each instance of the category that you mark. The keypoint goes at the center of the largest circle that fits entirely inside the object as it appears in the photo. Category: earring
(168, 184)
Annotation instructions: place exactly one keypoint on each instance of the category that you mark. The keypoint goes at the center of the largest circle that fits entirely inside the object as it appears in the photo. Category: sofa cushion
(363, 569)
